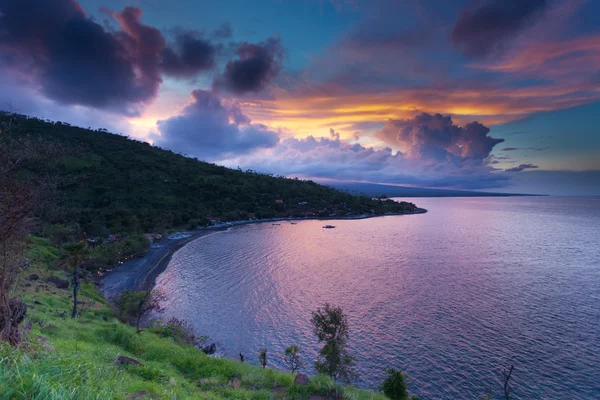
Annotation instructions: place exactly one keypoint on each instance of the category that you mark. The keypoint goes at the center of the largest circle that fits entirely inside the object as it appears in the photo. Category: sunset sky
(493, 95)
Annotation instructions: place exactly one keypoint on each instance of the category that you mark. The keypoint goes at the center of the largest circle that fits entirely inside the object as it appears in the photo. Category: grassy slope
(66, 358)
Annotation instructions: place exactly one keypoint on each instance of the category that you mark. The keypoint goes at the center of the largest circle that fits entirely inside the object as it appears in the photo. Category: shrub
(330, 325)
(394, 386)
(262, 357)
(292, 358)
(180, 330)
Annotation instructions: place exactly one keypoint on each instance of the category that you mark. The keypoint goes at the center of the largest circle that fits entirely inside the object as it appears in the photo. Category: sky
(488, 95)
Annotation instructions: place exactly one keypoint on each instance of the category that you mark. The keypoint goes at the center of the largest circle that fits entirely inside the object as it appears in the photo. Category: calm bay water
(450, 297)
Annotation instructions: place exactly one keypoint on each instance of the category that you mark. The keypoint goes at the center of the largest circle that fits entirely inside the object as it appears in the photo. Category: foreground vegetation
(74, 358)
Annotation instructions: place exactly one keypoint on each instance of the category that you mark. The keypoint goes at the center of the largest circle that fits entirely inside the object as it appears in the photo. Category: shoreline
(141, 273)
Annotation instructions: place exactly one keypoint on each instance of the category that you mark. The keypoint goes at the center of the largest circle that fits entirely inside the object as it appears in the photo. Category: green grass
(64, 358)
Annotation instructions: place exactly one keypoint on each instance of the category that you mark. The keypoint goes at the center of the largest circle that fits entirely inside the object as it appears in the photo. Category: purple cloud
(257, 65)
(437, 138)
(73, 60)
(332, 158)
(189, 55)
(211, 130)
(521, 167)
(484, 26)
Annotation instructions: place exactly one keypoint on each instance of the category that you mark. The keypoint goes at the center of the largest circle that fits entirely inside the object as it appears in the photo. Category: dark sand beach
(140, 273)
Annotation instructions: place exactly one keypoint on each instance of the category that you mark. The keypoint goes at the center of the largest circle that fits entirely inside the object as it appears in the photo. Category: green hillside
(59, 338)
(115, 184)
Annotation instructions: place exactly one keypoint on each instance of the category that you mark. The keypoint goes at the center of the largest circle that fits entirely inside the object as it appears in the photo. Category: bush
(394, 386)
(180, 330)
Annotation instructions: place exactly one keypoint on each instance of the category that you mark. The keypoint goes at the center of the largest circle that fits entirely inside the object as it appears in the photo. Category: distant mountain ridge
(375, 189)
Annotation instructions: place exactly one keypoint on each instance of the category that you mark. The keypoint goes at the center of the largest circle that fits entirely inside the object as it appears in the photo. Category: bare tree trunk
(507, 381)
(75, 291)
(137, 322)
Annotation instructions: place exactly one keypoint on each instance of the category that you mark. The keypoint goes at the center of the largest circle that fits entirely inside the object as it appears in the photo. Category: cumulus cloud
(257, 65)
(486, 25)
(336, 159)
(521, 167)
(211, 130)
(189, 55)
(72, 59)
(436, 138)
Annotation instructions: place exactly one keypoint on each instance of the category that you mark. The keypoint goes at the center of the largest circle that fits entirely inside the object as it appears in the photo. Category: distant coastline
(377, 189)
(141, 273)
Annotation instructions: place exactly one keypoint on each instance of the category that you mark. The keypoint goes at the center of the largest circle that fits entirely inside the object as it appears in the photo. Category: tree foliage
(292, 358)
(136, 304)
(120, 185)
(330, 325)
(75, 255)
(394, 385)
(21, 198)
(262, 357)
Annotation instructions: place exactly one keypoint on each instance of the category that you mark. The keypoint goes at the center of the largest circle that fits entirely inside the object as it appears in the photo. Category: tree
(394, 385)
(506, 376)
(330, 325)
(136, 304)
(76, 254)
(262, 357)
(20, 197)
(292, 358)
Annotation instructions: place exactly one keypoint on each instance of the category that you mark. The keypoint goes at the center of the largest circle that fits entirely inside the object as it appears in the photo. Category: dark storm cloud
(485, 25)
(257, 65)
(189, 55)
(74, 60)
(437, 138)
(521, 168)
(211, 130)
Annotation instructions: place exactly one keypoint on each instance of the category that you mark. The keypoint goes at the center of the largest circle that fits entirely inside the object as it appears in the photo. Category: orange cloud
(552, 59)
(313, 113)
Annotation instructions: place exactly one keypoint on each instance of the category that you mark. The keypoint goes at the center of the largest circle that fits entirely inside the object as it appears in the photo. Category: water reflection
(450, 297)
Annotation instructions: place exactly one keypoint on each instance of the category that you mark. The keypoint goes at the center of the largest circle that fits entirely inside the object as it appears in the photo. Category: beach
(140, 273)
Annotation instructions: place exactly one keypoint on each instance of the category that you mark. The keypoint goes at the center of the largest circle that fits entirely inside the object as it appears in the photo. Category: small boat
(276, 224)
(328, 226)
(293, 223)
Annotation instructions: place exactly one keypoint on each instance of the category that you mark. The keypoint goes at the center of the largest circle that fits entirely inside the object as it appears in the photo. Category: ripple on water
(451, 296)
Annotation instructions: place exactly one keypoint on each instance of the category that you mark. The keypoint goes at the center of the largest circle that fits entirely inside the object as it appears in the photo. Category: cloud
(257, 65)
(437, 138)
(73, 59)
(332, 158)
(189, 55)
(211, 130)
(68, 57)
(333, 134)
(510, 149)
(20, 99)
(521, 167)
(485, 26)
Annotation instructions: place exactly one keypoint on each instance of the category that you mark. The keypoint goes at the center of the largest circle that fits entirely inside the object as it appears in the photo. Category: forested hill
(110, 183)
